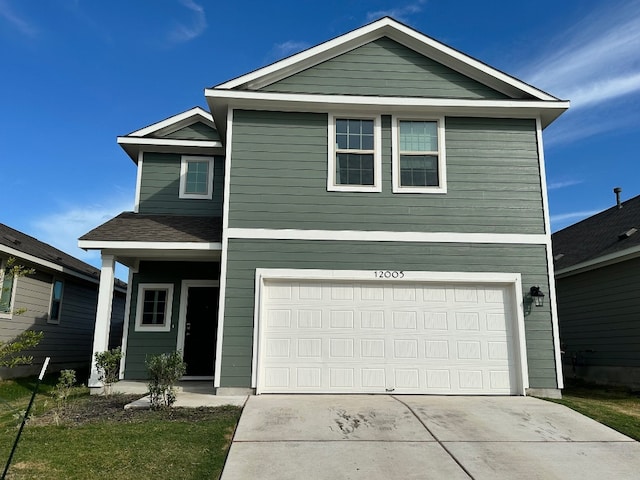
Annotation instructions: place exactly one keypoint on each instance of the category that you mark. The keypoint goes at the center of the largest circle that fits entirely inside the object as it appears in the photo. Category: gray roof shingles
(136, 227)
(599, 235)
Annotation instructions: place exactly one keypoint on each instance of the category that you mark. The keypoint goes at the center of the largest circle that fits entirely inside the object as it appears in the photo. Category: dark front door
(200, 330)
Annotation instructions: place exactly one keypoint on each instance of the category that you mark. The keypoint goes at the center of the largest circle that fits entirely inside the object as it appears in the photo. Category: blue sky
(75, 74)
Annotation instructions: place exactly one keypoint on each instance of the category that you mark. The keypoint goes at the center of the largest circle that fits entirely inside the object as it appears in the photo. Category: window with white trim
(55, 308)
(418, 156)
(153, 311)
(6, 294)
(354, 154)
(196, 177)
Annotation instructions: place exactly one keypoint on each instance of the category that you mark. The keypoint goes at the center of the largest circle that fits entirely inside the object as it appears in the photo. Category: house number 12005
(389, 274)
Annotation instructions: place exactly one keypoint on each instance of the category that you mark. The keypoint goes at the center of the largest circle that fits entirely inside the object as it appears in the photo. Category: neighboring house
(597, 265)
(366, 216)
(60, 299)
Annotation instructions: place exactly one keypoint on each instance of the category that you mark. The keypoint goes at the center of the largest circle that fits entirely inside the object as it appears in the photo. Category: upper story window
(354, 154)
(418, 156)
(6, 284)
(196, 177)
(153, 312)
(56, 301)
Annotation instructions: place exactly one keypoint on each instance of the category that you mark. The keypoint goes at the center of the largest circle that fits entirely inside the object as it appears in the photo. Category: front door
(200, 331)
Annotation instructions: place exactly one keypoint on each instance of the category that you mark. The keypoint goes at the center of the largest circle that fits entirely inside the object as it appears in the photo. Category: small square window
(56, 301)
(153, 312)
(418, 156)
(354, 159)
(196, 177)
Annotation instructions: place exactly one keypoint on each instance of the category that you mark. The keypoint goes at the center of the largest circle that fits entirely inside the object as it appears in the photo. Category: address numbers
(389, 274)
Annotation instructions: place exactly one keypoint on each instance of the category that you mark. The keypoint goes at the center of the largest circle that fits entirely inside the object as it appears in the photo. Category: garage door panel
(372, 338)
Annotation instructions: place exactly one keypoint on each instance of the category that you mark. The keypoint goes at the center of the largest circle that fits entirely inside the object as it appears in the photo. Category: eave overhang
(134, 145)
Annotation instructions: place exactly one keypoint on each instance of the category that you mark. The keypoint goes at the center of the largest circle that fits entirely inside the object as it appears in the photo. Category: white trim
(168, 142)
(129, 245)
(552, 284)
(184, 300)
(104, 309)
(175, 119)
(12, 252)
(396, 31)
(382, 236)
(166, 327)
(603, 261)
(53, 284)
(184, 165)
(225, 248)
(332, 186)
(125, 325)
(395, 156)
(514, 280)
(136, 205)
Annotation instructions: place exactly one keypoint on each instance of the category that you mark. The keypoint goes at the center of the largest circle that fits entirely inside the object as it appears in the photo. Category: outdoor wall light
(537, 296)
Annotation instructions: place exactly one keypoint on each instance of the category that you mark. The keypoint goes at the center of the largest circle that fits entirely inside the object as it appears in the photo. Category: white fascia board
(398, 32)
(175, 120)
(12, 252)
(599, 262)
(385, 236)
(130, 246)
(168, 142)
(220, 100)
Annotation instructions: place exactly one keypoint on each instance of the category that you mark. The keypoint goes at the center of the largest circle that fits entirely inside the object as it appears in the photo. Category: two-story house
(366, 216)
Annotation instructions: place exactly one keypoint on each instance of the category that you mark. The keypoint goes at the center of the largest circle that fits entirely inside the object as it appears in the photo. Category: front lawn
(615, 407)
(94, 437)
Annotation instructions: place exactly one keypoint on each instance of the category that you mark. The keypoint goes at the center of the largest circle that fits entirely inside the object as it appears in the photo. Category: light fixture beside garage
(537, 296)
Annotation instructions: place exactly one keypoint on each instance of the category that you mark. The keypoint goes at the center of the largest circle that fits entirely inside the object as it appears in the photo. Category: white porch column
(103, 315)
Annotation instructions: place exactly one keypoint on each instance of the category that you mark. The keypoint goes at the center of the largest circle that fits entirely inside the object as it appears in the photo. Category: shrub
(62, 391)
(108, 365)
(10, 351)
(164, 372)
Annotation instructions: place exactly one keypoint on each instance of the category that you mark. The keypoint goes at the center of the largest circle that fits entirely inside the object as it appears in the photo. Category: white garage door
(365, 337)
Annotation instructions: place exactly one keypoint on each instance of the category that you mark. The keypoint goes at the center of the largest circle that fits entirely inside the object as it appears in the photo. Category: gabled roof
(609, 236)
(22, 246)
(157, 137)
(523, 99)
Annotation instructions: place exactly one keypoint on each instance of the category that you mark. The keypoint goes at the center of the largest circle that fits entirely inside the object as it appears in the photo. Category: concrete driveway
(423, 437)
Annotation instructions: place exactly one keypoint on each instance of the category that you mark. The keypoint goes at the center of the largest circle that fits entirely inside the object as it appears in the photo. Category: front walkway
(188, 394)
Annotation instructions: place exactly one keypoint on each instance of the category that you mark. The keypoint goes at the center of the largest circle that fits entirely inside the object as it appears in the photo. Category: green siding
(160, 188)
(195, 131)
(384, 68)
(244, 256)
(279, 178)
(599, 314)
(142, 344)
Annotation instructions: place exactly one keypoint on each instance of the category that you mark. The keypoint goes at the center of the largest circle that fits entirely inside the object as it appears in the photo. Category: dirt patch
(99, 408)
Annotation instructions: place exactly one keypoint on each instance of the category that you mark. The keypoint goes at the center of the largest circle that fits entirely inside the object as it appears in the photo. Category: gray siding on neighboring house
(244, 256)
(140, 345)
(195, 131)
(160, 188)
(279, 179)
(384, 68)
(599, 313)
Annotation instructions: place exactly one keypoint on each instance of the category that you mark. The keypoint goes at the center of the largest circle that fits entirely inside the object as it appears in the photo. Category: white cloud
(562, 184)
(285, 49)
(184, 33)
(399, 13)
(14, 19)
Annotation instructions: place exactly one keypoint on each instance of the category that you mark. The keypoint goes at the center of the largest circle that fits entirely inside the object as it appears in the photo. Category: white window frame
(332, 186)
(184, 163)
(395, 156)
(143, 287)
(9, 314)
(56, 321)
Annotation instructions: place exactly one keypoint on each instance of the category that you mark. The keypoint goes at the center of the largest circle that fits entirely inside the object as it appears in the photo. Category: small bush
(108, 365)
(62, 391)
(164, 372)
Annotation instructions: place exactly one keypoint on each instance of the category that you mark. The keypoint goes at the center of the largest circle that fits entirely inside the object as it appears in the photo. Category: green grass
(615, 407)
(92, 442)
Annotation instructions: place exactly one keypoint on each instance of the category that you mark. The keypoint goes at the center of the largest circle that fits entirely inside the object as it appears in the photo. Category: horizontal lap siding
(196, 131)
(160, 188)
(244, 256)
(279, 179)
(599, 314)
(140, 345)
(384, 68)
